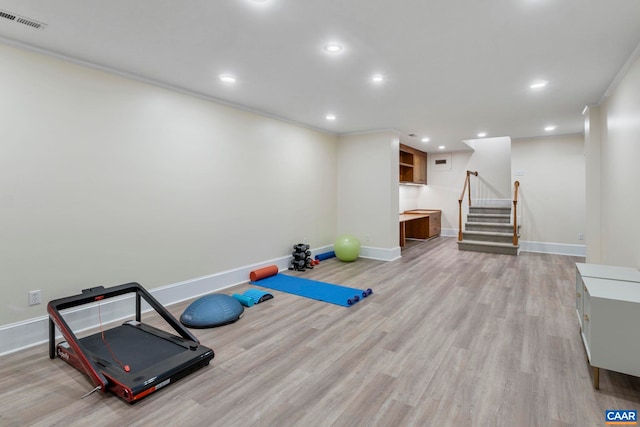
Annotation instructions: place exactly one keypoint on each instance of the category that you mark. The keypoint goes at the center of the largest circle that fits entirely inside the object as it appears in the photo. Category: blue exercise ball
(347, 248)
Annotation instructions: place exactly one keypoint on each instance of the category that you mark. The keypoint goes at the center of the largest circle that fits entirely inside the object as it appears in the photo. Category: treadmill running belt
(131, 346)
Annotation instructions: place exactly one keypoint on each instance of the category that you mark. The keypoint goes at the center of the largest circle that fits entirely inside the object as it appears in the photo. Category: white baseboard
(553, 248)
(541, 247)
(31, 332)
(449, 232)
(380, 253)
(370, 252)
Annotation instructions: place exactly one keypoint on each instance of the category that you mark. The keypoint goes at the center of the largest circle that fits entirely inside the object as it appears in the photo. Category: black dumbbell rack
(301, 257)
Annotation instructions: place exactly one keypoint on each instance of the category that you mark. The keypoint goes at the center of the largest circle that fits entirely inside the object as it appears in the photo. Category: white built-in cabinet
(608, 309)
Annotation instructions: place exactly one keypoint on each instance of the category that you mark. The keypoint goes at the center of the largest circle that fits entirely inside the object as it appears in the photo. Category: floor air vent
(21, 19)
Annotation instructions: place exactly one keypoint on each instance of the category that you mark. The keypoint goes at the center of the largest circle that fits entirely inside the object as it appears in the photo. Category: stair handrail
(516, 186)
(464, 190)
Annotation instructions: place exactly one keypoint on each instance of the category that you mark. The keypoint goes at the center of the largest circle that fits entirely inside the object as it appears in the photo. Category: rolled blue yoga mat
(326, 255)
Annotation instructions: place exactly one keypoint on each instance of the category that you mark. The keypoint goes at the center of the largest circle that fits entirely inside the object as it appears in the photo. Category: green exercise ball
(347, 248)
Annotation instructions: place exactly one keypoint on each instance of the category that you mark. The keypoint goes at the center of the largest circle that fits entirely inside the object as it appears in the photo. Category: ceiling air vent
(4, 14)
(22, 20)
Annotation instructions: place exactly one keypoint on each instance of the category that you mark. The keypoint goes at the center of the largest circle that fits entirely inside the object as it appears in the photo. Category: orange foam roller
(263, 273)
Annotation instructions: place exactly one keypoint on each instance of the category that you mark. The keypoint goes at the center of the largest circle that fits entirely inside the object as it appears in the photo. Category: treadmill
(132, 360)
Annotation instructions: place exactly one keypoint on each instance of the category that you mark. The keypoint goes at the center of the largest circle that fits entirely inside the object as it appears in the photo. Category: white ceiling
(453, 68)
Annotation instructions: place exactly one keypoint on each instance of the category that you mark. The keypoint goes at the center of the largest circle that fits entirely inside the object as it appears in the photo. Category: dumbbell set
(302, 258)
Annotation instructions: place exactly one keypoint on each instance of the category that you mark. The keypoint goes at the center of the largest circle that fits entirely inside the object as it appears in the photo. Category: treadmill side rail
(80, 360)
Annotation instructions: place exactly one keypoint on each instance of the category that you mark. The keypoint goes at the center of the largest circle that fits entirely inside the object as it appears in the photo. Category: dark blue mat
(313, 289)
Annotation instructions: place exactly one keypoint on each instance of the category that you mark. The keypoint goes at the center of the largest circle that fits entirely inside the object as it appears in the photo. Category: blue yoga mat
(321, 291)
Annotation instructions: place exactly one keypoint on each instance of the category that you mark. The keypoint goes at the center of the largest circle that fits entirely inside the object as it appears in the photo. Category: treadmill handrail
(100, 293)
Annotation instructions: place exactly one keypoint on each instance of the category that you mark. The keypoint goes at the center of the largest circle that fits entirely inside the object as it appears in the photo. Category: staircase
(489, 229)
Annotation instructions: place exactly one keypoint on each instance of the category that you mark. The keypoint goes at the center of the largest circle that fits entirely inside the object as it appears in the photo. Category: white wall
(443, 189)
(551, 197)
(593, 180)
(108, 180)
(408, 197)
(620, 153)
(491, 158)
(552, 188)
(368, 189)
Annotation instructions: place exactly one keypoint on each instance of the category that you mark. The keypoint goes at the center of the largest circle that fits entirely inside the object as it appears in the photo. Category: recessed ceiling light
(260, 3)
(330, 117)
(482, 134)
(227, 78)
(550, 128)
(441, 147)
(377, 78)
(333, 47)
(539, 84)
(425, 139)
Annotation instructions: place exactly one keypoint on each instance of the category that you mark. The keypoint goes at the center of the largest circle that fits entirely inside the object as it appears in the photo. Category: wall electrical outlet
(580, 236)
(35, 297)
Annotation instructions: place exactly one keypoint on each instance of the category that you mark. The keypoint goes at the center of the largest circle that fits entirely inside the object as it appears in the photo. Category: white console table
(608, 309)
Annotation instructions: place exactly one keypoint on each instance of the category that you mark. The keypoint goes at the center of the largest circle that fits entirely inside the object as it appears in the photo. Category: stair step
(488, 236)
(490, 226)
(504, 210)
(488, 247)
(493, 218)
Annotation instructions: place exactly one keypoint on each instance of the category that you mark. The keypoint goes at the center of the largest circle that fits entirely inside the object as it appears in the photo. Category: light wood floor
(448, 339)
